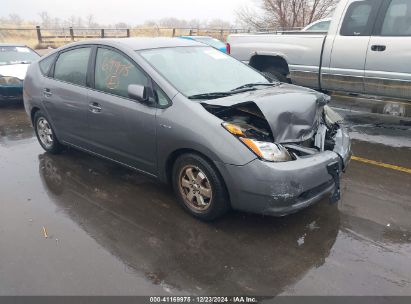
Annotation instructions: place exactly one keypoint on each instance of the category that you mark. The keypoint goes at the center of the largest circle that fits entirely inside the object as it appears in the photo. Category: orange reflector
(233, 129)
(249, 143)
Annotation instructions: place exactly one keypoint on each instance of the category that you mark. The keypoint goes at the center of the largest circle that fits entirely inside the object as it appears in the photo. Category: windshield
(211, 41)
(16, 55)
(201, 70)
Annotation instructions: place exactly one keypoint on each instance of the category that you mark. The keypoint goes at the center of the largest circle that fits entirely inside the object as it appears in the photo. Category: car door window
(46, 64)
(71, 66)
(397, 21)
(114, 73)
(359, 18)
(161, 97)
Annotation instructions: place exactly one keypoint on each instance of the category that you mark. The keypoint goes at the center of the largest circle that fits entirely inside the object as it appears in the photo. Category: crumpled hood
(292, 112)
(14, 70)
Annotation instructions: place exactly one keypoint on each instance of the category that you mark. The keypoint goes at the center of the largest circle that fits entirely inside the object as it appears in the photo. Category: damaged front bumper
(282, 188)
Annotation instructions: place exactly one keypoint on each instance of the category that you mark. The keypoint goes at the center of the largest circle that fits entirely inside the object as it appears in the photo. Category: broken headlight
(331, 117)
(265, 150)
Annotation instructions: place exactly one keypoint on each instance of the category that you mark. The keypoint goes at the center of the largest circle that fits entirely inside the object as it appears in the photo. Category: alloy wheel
(195, 188)
(45, 133)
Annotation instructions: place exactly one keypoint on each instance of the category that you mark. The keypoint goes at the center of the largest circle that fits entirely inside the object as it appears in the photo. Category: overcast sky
(129, 11)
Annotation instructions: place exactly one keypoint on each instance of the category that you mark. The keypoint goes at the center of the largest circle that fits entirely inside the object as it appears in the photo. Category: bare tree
(195, 23)
(79, 22)
(71, 21)
(45, 19)
(121, 25)
(90, 22)
(56, 23)
(150, 23)
(172, 22)
(286, 14)
(219, 24)
(15, 19)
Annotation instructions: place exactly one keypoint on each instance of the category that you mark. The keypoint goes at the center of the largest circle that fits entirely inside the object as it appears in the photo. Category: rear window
(397, 21)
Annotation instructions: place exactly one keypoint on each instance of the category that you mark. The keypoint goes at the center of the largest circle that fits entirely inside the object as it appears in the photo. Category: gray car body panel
(186, 125)
(68, 106)
(279, 189)
(253, 185)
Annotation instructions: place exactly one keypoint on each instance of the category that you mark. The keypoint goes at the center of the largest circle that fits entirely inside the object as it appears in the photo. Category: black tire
(54, 147)
(218, 204)
(276, 74)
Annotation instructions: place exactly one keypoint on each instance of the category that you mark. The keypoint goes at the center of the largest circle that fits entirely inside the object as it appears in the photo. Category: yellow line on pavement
(379, 164)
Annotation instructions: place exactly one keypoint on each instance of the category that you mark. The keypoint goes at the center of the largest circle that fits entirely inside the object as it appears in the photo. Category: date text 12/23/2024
(203, 299)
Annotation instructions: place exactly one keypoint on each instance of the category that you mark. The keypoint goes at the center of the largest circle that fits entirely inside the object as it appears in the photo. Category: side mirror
(138, 92)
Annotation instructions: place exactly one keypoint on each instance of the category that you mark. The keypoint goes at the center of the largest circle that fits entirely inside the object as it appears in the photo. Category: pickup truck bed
(302, 50)
(367, 50)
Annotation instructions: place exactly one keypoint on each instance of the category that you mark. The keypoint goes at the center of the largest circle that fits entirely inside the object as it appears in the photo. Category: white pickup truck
(367, 50)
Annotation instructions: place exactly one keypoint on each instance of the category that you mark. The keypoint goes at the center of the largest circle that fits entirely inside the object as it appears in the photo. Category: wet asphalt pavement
(111, 231)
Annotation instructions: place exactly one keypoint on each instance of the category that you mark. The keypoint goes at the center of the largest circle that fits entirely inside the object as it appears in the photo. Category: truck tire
(275, 74)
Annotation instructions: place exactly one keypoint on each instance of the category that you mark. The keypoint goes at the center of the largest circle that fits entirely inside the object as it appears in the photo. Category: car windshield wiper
(216, 95)
(213, 95)
(251, 85)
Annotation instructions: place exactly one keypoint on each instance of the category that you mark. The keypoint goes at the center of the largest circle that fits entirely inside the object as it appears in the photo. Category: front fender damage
(299, 121)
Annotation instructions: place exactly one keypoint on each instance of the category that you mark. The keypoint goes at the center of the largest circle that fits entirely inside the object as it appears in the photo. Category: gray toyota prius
(222, 134)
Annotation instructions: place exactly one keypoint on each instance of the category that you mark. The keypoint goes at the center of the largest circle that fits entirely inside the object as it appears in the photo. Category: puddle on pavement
(139, 221)
(14, 124)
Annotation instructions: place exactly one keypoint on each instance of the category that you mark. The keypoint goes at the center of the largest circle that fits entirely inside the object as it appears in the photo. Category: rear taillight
(228, 48)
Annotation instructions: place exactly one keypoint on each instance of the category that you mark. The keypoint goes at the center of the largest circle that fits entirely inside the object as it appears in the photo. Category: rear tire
(199, 187)
(276, 74)
(45, 134)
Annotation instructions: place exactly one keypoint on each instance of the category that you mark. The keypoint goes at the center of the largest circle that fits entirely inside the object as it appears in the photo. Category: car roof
(138, 44)
(194, 37)
(13, 44)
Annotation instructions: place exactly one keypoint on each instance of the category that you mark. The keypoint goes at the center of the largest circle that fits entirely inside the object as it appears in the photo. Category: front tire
(45, 134)
(199, 187)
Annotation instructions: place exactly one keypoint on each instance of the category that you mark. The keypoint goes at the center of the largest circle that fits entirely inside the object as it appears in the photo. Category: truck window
(397, 21)
(359, 18)
(322, 26)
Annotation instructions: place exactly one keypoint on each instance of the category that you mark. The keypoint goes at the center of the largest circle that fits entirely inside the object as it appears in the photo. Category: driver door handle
(94, 107)
(378, 48)
(47, 92)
